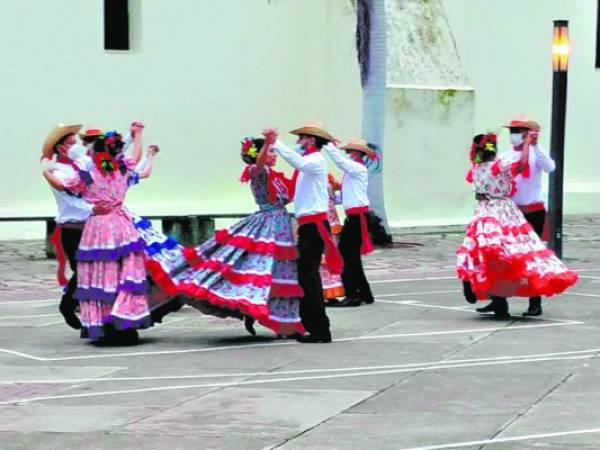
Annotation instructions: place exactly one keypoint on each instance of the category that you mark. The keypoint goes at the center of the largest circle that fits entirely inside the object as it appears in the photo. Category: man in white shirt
(72, 215)
(528, 195)
(314, 236)
(354, 239)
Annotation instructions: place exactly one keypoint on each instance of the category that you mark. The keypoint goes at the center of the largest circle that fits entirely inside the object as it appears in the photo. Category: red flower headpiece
(487, 142)
(247, 144)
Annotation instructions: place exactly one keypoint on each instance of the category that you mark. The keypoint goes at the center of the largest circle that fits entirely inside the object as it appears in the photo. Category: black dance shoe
(68, 313)
(487, 308)
(314, 338)
(533, 311)
(347, 302)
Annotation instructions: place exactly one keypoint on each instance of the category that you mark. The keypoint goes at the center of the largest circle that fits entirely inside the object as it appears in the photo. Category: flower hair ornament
(486, 142)
(249, 148)
(108, 146)
(249, 155)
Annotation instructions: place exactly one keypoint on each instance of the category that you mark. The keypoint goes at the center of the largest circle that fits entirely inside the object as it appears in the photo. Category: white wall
(204, 73)
(506, 46)
(201, 75)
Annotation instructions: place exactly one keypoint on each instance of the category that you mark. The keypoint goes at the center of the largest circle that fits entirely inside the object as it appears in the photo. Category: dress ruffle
(109, 237)
(502, 255)
(247, 270)
(264, 247)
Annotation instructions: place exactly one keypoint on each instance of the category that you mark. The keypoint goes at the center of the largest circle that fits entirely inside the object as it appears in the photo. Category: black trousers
(312, 305)
(353, 276)
(70, 239)
(537, 220)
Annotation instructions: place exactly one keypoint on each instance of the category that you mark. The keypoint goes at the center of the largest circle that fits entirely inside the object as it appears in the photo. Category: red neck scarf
(62, 159)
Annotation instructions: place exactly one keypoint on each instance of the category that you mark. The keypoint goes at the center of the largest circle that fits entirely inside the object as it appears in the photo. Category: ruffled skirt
(246, 270)
(502, 255)
(111, 276)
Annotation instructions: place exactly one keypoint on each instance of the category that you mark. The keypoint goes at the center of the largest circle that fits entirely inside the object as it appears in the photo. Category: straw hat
(313, 129)
(90, 132)
(59, 132)
(521, 121)
(360, 145)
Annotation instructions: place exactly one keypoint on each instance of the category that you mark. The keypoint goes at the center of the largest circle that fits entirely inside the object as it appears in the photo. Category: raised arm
(343, 162)
(303, 164)
(136, 132)
(524, 159)
(127, 140)
(270, 135)
(147, 164)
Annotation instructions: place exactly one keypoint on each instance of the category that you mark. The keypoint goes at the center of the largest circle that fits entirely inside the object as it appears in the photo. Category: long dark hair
(379, 236)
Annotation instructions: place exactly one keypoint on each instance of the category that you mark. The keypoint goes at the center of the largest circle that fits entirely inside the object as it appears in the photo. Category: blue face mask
(299, 148)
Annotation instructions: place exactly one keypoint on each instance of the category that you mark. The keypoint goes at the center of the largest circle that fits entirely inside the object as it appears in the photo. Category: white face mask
(299, 148)
(76, 151)
(516, 139)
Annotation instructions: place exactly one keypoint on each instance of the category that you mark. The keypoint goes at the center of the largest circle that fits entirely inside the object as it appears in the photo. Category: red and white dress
(501, 254)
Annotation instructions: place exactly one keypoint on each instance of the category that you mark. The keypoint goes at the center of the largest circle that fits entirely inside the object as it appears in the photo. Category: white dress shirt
(354, 181)
(311, 186)
(529, 189)
(70, 208)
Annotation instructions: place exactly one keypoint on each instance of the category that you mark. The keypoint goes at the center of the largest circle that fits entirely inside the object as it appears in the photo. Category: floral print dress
(247, 270)
(501, 253)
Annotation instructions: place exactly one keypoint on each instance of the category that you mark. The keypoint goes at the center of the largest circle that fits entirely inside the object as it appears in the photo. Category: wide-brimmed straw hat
(360, 145)
(314, 128)
(522, 121)
(59, 132)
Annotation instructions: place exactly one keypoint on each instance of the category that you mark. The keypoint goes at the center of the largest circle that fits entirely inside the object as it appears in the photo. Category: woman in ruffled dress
(112, 287)
(501, 255)
(247, 271)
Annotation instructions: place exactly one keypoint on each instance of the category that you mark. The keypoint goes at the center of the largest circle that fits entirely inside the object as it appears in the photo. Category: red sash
(333, 258)
(361, 211)
(535, 207)
(60, 256)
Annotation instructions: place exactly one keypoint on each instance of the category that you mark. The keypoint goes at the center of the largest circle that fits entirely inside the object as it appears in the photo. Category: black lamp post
(560, 66)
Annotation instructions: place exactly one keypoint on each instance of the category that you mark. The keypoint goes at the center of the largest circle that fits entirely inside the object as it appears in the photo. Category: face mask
(76, 151)
(299, 148)
(516, 139)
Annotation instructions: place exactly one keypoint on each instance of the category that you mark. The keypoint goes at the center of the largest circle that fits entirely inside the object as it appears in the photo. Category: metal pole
(557, 152)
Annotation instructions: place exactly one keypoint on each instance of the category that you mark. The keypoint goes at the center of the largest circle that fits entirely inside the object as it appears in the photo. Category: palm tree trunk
(372, 51)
